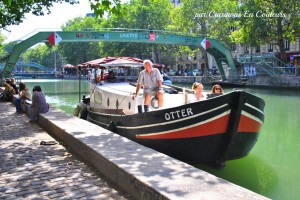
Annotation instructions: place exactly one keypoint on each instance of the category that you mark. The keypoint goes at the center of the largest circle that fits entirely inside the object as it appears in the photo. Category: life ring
(154, 102)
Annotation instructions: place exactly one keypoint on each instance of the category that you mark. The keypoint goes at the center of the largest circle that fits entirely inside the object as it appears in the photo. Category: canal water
(271, 168)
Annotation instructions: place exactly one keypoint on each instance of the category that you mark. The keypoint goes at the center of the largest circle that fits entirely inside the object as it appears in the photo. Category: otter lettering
(178, 114)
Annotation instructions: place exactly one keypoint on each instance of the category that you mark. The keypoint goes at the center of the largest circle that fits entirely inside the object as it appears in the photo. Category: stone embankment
(31, 170)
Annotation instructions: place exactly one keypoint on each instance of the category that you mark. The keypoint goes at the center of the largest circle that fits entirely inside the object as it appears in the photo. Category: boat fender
(111, 127)
(84, 113)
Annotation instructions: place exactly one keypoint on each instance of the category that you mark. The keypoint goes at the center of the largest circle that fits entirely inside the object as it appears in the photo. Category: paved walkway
(29, 170)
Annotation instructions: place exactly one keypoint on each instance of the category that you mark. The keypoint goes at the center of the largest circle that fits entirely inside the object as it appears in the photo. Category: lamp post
(54, 62)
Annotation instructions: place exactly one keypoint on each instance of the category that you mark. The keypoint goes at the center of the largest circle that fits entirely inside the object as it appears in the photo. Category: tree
(1, 44)
(80, 52)
(271, 22)
(110, 6)
(13, 12)
(141, 13)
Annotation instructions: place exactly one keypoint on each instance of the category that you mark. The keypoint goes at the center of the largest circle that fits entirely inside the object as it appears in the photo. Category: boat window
(117, 104)
(108, 102)
(98, 98)
(129, 105)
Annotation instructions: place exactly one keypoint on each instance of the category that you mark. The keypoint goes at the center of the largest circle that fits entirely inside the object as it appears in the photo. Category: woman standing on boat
(151, 80)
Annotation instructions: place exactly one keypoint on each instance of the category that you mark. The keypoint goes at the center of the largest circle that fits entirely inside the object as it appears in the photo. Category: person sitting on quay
(13, 84)
(24, 94)
(8, 92)
(151, 80)
(38, 105)
(215, 91)
(198, 89)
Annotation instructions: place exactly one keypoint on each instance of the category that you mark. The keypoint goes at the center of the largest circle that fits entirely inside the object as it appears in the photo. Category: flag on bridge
(152, 36)
(54, 38)
(205, 43)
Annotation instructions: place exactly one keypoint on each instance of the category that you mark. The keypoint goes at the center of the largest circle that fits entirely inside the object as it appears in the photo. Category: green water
(271, 169)
(63, 94)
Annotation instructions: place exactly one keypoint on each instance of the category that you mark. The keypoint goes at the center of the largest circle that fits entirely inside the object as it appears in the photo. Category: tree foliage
(12, 12)
(140, 15)
(80, 52)
(271, 22)
(1, 44)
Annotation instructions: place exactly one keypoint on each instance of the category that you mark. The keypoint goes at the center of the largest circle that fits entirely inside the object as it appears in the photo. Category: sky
(60, 14)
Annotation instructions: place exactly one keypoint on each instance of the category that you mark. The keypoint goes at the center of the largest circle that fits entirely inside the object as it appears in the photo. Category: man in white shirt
(151, 80)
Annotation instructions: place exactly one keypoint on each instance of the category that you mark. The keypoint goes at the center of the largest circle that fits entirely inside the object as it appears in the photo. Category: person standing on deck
(151, 80)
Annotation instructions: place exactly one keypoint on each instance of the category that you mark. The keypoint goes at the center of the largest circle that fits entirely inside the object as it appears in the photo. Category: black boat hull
(215, 130)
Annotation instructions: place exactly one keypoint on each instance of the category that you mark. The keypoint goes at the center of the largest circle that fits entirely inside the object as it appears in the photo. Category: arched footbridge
(34, 65)
(212, 46)
(30, 64)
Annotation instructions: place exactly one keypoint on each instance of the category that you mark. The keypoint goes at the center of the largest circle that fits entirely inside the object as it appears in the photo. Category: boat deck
(123, 91)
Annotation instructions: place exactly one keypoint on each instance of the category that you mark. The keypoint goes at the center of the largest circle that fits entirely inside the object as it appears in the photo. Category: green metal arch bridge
(35, 65)
(216, 49)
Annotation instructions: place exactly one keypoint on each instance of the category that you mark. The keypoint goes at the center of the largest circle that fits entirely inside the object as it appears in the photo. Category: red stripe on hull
(248, 125)
(217, 126)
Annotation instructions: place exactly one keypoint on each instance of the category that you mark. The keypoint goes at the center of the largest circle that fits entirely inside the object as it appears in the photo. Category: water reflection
(63, 94)
(249, 172)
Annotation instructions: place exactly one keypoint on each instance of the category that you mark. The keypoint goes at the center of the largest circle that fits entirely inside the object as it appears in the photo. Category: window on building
(287, 45)
(233, 47)
(257, 49)
(246, 48)
(270, 47)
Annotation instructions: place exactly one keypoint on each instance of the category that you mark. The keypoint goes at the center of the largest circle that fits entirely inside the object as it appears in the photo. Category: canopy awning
(69, 66)
(124, 62)
(113, 62)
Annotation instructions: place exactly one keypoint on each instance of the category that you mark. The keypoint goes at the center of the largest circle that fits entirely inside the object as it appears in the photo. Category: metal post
(54, 61)
(79, 87)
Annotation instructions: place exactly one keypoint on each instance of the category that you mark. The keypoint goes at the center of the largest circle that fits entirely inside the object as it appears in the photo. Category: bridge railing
(141, 30)
(114, 30)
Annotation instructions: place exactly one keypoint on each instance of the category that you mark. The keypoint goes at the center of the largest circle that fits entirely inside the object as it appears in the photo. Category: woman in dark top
(38, 105)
